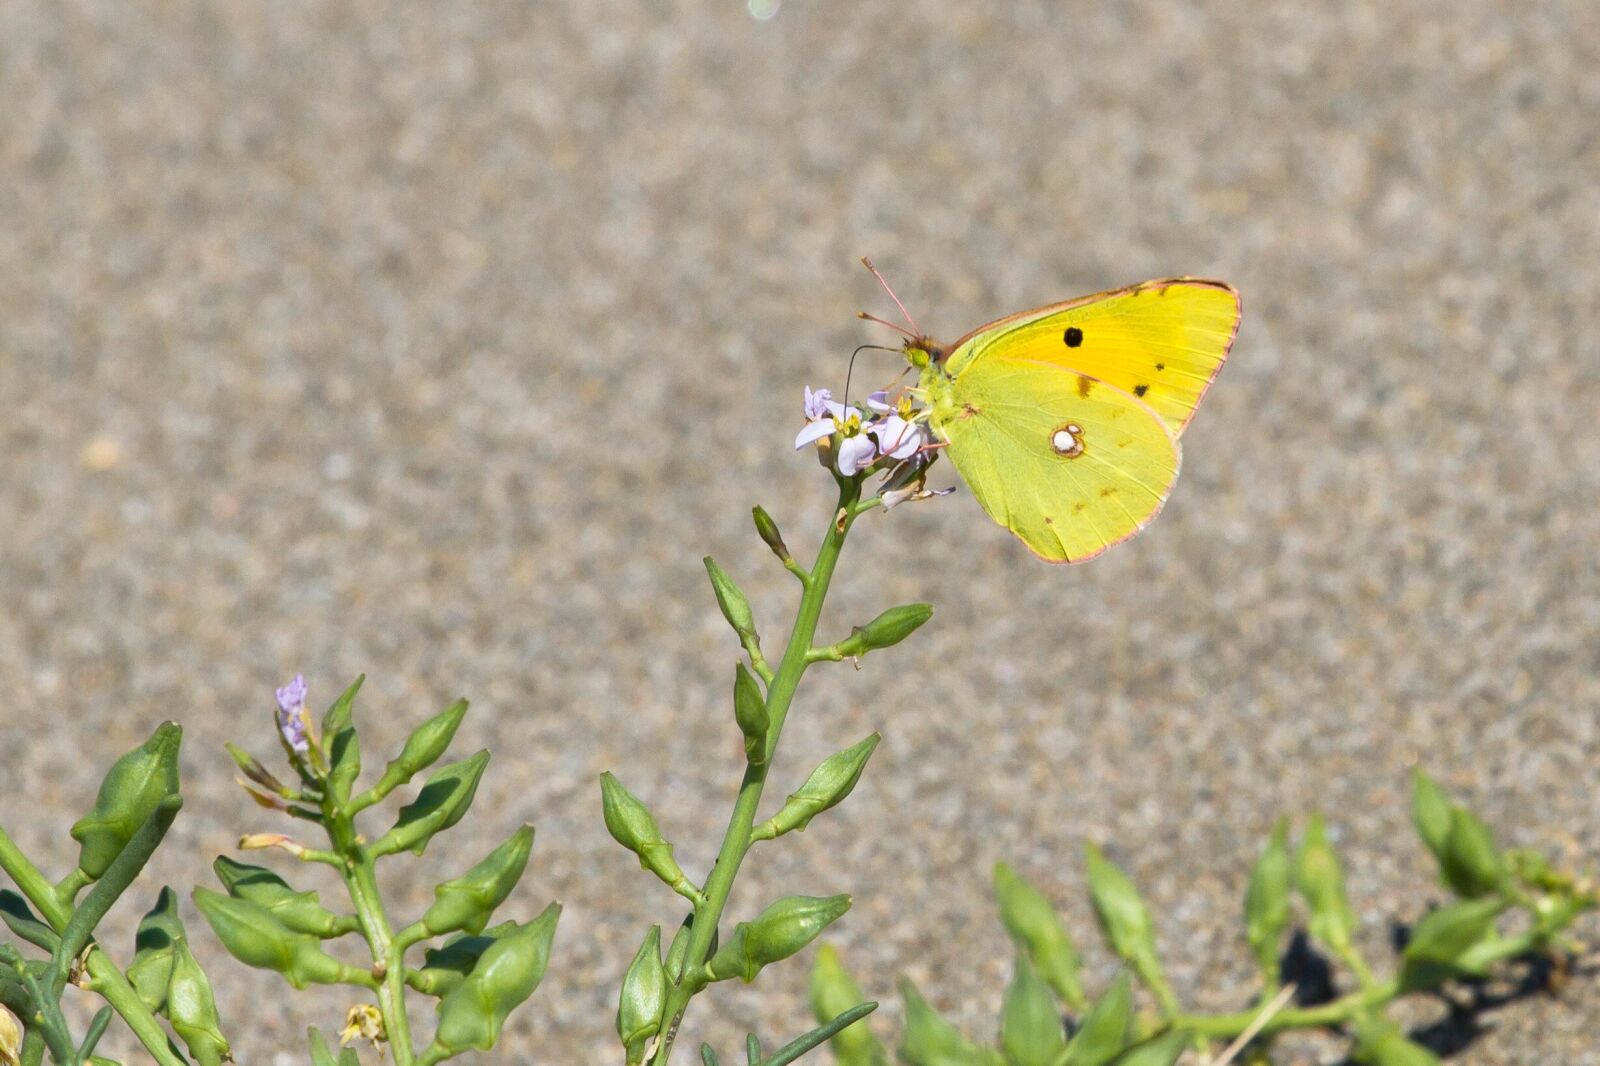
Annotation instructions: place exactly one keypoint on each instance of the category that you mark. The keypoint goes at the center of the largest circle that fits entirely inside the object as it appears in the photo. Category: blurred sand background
(439, 341)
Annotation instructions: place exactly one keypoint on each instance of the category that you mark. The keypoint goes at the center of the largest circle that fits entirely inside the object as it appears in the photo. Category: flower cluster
(872, 435)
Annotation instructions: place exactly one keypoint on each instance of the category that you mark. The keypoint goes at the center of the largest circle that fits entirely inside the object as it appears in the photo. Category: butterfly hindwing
(1161, 342)
(1069, 463)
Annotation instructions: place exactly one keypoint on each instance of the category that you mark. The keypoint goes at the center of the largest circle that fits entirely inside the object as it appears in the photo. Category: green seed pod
(471, 1016)
(422, 749)
(343, 747)
(886, 630)
(767, 529)
(833, 992)
(1163, 1050)
(778, 932)
(151, 969)
(193, 1010)
(735, 608)
(1036, 928)
(643, 997)
(929, 1039)
(633, 826)
(1441, 940)
(300, 911)
(678, 950)
(442, 803)
(1030, 1025)
(130, 793)
(468, 901)
(1104, 1032)
(750, 711)
(1266, 904)
(1123, 916)
(1379, 1042)
(1321, 881)
(443, 968)
(1430, 812)
(256, 938)
(1471, 864)
(833, 780)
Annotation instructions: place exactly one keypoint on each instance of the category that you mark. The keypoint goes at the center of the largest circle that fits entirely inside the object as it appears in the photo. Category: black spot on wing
(1073, 336)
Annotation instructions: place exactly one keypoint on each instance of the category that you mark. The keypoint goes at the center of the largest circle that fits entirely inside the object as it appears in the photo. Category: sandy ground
(439, 341)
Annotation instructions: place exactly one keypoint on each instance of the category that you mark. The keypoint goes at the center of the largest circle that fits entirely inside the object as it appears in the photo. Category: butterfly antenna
(884, 322)
(852, 367)
(916, 330)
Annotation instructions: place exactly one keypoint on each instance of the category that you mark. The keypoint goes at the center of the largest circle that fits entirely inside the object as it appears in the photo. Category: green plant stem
(1345, 1008)
(388, 951)
(736, 841)
(105, 978)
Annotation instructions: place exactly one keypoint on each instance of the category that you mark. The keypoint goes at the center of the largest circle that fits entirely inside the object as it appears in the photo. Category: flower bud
(299, 911)
(833, 992)
(1104, 1032)
(1122, 913)
(833, 780)
(1163, 1050)
(132, 790)
(929, 1039)
(468, 901)
(643, 998)
(422, 749)
(1430, 812)
(735, 608)
(750, 711)
(192, 1009)
(633, 826)
(251, 767)
(343, 747)
(678, 950)
(256, 938)
(1379, 1042)
(767, 529)
(471, 1016)
(778, 932)
(886, 630)
(1036, 928)
(1442, 938)
(442, 803)
(1030, 1025)
(151, 969)
(1266, 905)
(1321, 882)
(1471, 864)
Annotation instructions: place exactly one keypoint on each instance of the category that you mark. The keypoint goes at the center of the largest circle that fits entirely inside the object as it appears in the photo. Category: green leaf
(782, 929)
(469, 901)
(834, 995)
(1037, 928)
(834, 779)
(343, 746)
(1266, 906)
(832, 1030)
(1379, 1042)
(1030, 1027)
(20, 919)
(1430, 812)
(472, 1014)
(300, 911)
(320, 1055)
(1471, 864)
(1104, 1032)
(131, 791)
(1321, 882)
(930, 1040)
(442, 803)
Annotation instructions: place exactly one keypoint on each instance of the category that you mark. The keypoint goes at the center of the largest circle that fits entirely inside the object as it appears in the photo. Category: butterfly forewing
(1161, 342)
(1069, 463)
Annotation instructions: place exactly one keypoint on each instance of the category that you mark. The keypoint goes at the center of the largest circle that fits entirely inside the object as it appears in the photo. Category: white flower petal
(815, 431)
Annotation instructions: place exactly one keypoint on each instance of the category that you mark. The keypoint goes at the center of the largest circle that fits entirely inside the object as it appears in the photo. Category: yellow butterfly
(1065, 420)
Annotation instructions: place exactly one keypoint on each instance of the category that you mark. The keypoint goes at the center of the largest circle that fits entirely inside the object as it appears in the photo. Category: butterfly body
(1065, 420)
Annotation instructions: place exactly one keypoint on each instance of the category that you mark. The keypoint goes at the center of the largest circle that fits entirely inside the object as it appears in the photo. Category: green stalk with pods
(477, 973)
(1469, 939)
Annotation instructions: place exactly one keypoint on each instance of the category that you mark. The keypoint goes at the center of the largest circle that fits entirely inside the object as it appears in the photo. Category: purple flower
(292, 721)
(856, 453)
(817, 403)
